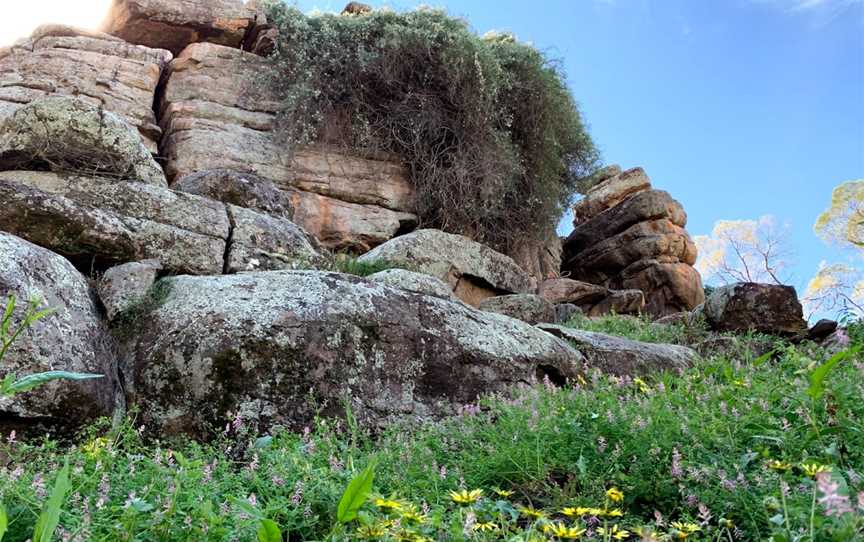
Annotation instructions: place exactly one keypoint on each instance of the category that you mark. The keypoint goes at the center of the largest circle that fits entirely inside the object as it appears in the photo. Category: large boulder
(628, 236)
(174, 24)
(100, 224)
(71, 338)
(68, 134)
(279, 346)
(474, 271)
(624, 357)
(749, 306)
(100, 69)
(529, 308)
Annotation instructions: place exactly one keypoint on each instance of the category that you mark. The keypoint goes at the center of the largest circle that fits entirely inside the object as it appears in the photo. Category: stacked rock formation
(628, 235)
(147, 202)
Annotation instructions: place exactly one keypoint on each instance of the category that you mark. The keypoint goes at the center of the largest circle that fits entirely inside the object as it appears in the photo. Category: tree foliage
(843, 222)
(744, 251)
(492, 137)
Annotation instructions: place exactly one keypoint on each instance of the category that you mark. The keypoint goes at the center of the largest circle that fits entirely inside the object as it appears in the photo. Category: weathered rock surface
(619, 302)
(69, 339)
(347, 202)
(91, 66)
(610, 191)
(565, 312)
(620, 356)
(68, 134)
(419, 283)
(174, 24)
(821, 330)
(474, 271)
(541, 259)
(100, 224)
(124, 285)
(269, 345)
(240, 189)
(529, 308)
(744, 306)
(629, 236)
(593, 300)
(261, 242)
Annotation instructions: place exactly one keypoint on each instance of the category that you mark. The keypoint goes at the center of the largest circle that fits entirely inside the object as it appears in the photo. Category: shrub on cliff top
(493, 139)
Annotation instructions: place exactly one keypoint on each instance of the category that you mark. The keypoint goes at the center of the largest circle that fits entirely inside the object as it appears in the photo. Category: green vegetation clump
(736, 448)
(493, 139)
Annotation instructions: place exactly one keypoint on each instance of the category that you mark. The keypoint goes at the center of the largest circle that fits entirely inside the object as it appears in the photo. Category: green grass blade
(819, 374)
(4, 521)
(355, 495)
(50, 516)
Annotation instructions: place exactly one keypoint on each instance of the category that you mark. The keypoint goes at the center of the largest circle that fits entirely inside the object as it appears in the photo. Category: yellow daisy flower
(615, 494)
(529, 511)
(812, 469)
(562, 531)
(466, 497)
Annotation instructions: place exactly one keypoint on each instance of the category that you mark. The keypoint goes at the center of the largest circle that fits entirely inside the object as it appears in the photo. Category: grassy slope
(684, 446)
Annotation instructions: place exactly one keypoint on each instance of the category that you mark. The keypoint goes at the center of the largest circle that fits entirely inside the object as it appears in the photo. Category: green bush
(493, 139)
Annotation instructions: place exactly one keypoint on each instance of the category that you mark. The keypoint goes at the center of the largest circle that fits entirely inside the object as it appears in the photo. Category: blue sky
(739, 108)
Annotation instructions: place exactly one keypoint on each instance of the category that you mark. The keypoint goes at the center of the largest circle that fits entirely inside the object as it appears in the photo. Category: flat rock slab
(101, 223)
(529, 308)
(276, 345)
(620, 356)
(174, 24)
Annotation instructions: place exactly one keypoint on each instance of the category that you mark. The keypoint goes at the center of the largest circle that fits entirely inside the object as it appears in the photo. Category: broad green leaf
(50, 516)
(30, 382)
(820, 373)
(4, 521)
(355, 495)
(269, 531)
(263, 442)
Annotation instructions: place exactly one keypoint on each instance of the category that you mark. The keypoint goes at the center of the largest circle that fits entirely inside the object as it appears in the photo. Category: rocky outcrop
(748, 306)
(529, 308)
(347, 202)
(174, 24)
(410, 281)
(98, 223)
(123, 286)
(68, 134)
(540, 259)
(94, 67)
(629, 236)
(592, 300)
(274, 346)
(623, 357)
(71, 338)
(473, 271)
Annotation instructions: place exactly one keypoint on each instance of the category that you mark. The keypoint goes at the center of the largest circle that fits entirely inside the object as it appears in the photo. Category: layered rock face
(347, 202)
(97, 68)
(629, 236)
